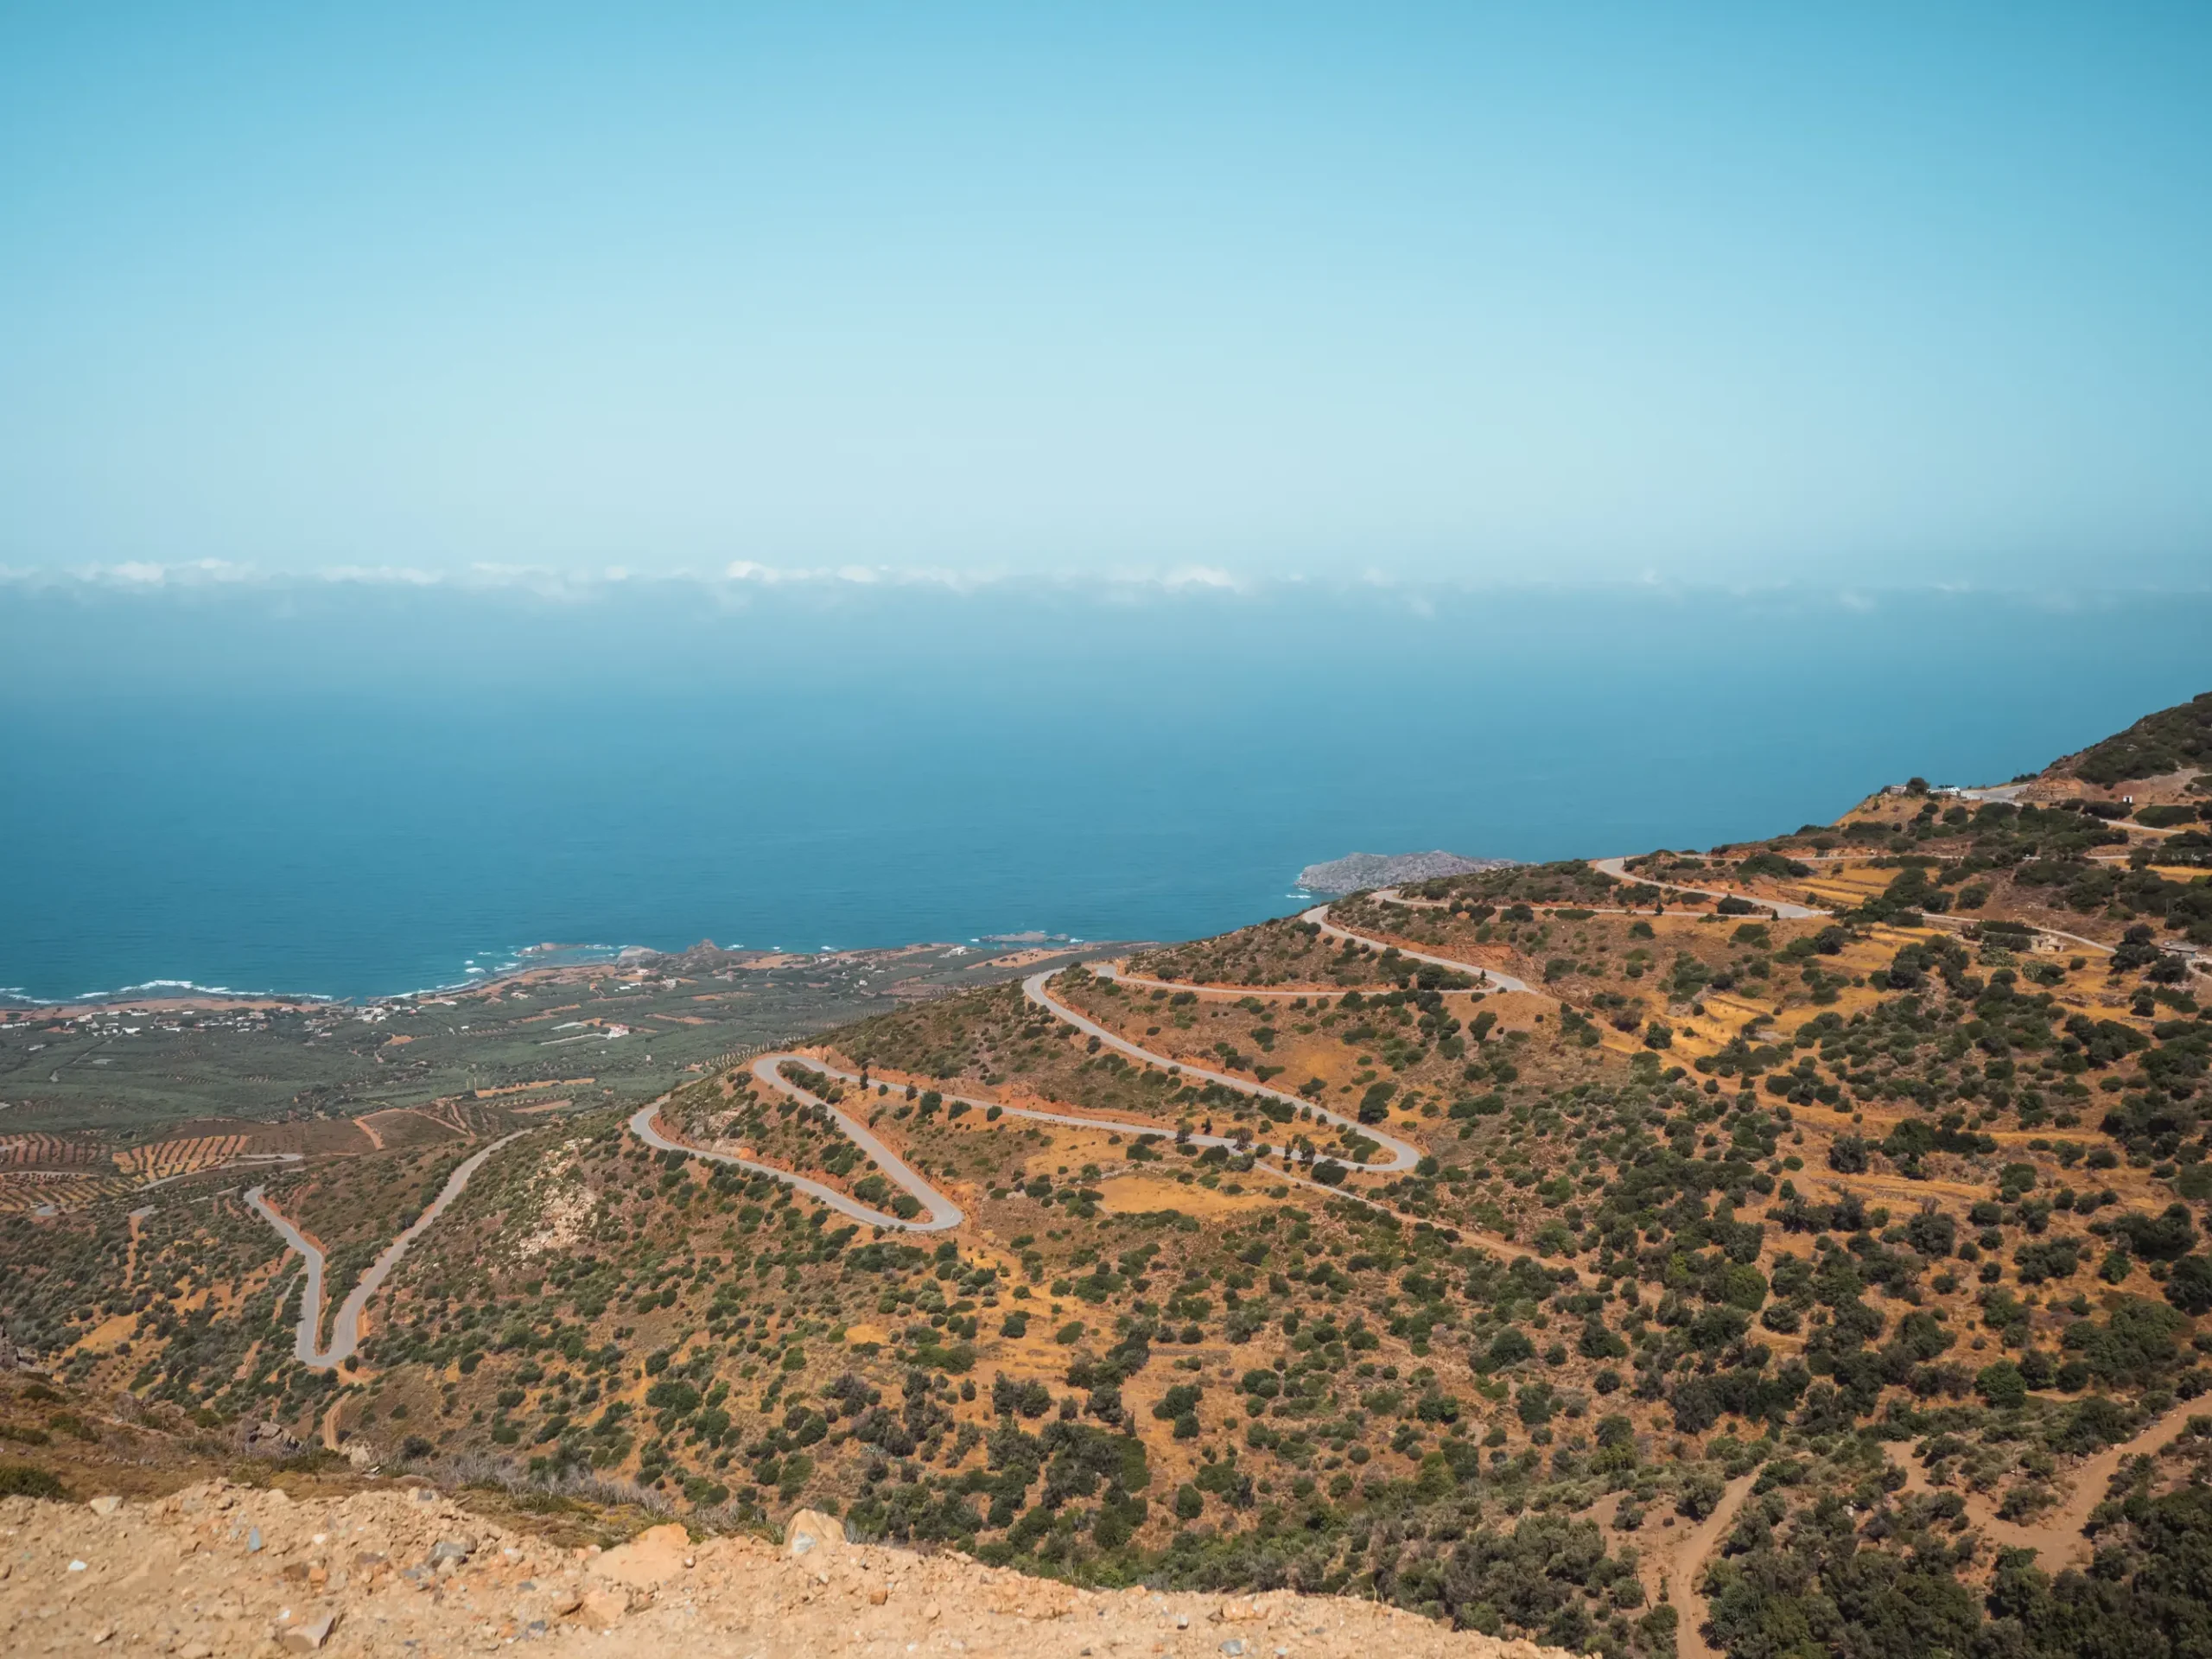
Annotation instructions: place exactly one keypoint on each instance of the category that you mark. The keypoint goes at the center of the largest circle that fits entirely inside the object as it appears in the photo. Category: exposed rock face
(219, 1570)
(1355, 872)
(267, 1440)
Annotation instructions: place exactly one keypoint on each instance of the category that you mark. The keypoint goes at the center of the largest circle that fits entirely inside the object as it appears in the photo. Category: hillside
(1637, 1253)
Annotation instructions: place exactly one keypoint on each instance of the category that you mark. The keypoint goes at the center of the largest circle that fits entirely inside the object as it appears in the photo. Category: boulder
(266, 1440)
(650, 1560)
(811, 1529)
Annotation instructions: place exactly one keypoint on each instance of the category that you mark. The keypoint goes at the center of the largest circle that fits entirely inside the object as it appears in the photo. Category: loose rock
(172, 1576)
(811, 1529)
(306, 1638)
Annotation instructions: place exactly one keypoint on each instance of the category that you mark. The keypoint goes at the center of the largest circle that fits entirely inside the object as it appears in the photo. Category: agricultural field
(97, 1101)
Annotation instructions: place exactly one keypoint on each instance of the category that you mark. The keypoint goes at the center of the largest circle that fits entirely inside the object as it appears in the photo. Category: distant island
(1357, 871)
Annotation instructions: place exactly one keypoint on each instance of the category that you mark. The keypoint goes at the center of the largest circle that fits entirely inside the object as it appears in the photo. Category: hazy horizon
(1598, 294)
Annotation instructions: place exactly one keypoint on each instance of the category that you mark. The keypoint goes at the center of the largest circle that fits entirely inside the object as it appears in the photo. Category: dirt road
(2057, 1537)
(1686, 1570)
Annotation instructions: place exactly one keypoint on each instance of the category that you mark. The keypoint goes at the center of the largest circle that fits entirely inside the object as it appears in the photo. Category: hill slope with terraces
(1644, 1256)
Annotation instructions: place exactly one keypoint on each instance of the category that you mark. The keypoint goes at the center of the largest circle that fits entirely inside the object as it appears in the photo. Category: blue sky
(1874, 293)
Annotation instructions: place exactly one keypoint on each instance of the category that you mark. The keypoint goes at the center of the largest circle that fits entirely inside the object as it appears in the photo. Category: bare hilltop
(1357, 872)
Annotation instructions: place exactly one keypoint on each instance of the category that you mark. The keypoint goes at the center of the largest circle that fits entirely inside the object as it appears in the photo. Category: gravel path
(1691, 1554)
(2057, 1537)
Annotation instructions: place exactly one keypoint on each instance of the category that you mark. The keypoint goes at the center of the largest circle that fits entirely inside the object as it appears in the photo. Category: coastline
(183, 996)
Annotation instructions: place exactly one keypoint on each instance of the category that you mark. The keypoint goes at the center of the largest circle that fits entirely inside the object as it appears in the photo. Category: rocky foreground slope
(219, 1570)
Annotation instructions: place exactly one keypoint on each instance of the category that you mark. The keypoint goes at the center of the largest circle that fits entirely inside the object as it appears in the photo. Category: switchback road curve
(943, 1213)
(1402, 1156)
(1494, 980)
(345, 1329)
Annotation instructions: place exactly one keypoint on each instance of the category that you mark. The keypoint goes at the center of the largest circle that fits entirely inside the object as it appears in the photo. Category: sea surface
(356, 788)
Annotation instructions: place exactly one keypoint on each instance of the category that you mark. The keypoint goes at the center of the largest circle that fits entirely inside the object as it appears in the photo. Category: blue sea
(356, 788)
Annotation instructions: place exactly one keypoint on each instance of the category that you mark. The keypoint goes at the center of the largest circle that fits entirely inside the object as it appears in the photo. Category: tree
(2163, 1238)
(1374, 1105)
(2001, 1386)
(2188, 1287)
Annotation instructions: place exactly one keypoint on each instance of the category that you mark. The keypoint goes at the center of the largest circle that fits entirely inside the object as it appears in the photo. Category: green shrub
(20, 1480)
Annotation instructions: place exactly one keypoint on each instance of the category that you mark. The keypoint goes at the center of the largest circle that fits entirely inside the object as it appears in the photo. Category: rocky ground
(217, 1570)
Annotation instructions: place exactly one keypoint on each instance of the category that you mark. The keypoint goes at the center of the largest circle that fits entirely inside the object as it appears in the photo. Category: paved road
(944, 1214)
(345, 1329)
(1401, 1155)
(1233, 992)
(1781, 908)
(1497, 982)
(2088, 944)
(1803, 912)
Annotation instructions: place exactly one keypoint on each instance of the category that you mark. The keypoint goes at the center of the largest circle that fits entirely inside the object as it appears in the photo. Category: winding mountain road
(1232, 992)
(346, 1328)
(1494, 980)
(944, 1213)
(1403, 1156)
(1783, 910)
